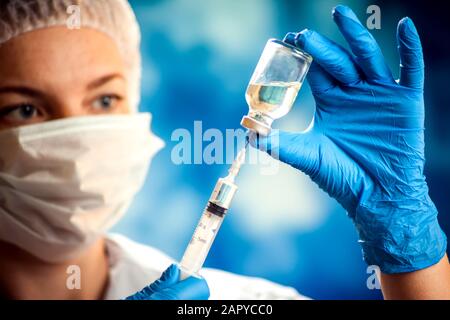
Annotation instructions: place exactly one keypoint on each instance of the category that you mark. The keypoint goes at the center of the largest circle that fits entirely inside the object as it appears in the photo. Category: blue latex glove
(366, 146)
(168, 287)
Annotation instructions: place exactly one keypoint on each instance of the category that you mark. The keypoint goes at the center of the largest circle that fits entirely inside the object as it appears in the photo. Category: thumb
(192, 288)
(299, 150)
(169, 277)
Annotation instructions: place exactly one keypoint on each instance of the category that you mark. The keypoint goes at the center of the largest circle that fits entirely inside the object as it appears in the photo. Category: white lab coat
(134, 266)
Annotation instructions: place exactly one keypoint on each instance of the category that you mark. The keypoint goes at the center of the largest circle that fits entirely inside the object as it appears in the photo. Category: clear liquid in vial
(274, 99)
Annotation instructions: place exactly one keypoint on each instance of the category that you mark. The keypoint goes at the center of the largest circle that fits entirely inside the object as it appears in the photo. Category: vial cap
(255, 125)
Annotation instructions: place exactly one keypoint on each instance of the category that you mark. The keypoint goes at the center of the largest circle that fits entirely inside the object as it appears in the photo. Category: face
(56, 73)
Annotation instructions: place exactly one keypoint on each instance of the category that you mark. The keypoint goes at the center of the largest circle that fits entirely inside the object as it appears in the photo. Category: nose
(66, 108)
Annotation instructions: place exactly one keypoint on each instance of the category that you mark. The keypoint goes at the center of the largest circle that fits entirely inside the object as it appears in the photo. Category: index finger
(363, 45)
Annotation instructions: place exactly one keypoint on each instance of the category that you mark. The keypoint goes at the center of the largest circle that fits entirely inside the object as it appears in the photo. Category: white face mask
(63, 183)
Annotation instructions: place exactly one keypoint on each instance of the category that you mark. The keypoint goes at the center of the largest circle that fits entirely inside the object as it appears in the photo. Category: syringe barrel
(223, 193)
(207, 228)
(201, 241)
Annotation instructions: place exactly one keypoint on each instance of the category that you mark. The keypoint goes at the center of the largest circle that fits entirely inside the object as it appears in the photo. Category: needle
(237, 163)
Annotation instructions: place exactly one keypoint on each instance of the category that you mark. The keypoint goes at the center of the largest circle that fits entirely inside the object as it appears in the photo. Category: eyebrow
(21, 90)
(30, 92)
(105, 79)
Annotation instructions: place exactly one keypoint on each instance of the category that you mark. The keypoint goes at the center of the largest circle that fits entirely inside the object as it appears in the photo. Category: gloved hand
(366, 146)
(168, 287)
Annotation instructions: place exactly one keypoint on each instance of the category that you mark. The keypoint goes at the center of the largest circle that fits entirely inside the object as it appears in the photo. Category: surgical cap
(115, 18)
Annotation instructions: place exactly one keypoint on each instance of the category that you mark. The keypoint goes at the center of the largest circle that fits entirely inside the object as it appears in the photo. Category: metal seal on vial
(255, 125)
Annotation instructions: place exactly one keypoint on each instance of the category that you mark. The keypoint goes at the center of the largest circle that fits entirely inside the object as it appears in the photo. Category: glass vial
(274, 84)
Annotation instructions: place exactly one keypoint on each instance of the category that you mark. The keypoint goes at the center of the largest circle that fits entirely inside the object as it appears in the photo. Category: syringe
(211, 220)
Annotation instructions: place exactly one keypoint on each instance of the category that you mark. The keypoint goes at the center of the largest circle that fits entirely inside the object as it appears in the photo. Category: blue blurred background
(198, 57)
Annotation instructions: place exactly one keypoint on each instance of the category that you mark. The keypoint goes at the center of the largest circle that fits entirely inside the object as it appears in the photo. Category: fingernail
(409, 24)
(301, 37)
(340, 9)
(344, 11)
(290, 38)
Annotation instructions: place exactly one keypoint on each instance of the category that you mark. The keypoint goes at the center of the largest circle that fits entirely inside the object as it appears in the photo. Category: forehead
(59, 55)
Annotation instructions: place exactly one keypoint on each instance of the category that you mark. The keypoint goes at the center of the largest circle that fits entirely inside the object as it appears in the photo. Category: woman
(73, 153)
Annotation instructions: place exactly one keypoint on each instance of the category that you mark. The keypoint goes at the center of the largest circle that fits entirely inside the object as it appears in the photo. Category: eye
(106, 102)
(22, 112)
